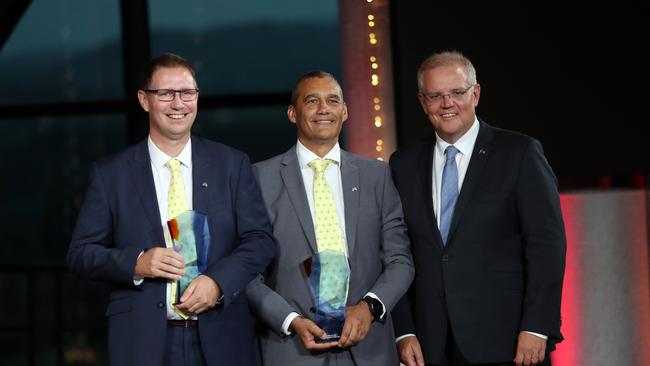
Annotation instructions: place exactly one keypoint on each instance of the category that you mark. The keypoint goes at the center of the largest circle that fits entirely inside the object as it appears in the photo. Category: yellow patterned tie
(176, 205)
(333, 280)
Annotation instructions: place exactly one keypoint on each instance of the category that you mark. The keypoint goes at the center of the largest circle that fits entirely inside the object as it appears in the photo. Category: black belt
(182, 323)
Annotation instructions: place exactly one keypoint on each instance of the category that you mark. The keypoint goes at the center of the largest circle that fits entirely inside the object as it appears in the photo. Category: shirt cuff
(383, 307)
(537, 334)
(137, 280)
(403, 336)
(287, 322)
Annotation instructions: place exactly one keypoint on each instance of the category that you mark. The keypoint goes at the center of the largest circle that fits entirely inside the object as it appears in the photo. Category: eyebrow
(315, 95)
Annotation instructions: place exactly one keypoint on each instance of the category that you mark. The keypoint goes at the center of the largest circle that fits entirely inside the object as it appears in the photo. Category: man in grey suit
(371, 225)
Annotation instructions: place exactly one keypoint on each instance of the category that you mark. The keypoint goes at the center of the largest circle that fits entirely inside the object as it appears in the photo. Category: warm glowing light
(374, 66)
(371, 35)
(373, 41)
(369, 1)
(373, 58)
(380, 158)
(377, 107)
(371, 17)
(377, 119)
(375, 100)
(371, 24)
(375, 80)
(377, 123)
(378, 148)
(380, 142)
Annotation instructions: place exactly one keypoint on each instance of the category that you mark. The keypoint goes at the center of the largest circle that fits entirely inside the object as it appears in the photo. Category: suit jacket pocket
(119, 306)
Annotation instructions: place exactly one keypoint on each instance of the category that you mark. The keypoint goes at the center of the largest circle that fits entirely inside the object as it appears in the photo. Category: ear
(144, 102)
(345, 112)
(291, 113)
(477, 93)
(423, 102)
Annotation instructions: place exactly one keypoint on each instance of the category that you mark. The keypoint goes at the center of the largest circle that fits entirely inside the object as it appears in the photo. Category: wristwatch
(375, 307)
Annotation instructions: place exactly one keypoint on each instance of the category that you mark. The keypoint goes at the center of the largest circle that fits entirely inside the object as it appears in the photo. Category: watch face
(374, 306)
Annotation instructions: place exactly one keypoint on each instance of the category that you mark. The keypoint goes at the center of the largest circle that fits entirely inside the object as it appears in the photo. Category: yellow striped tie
(176, 205)
(333, 279)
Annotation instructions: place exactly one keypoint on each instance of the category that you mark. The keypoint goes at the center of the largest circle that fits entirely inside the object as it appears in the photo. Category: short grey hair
(446, 58)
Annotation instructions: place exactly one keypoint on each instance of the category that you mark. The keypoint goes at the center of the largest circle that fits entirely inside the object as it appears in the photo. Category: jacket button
(161, 304)
(445, 257)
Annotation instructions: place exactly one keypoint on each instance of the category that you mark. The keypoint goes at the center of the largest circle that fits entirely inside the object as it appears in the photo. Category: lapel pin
(204, 184)
(481, 152)
(354, 189)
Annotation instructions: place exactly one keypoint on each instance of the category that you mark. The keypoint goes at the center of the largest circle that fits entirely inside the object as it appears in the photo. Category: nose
(447, 101)
(177, 102)
(322, 107)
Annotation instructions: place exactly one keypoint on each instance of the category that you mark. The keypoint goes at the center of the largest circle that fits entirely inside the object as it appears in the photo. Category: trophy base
(329, 338)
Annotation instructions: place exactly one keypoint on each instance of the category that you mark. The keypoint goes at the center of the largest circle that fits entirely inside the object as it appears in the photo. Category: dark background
(574, 77)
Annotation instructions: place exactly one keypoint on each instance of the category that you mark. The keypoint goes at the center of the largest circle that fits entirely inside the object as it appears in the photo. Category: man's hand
(200, 295)
(308, 331)
(160, 262)
(530, 349)
(357, 324)
(410, 352)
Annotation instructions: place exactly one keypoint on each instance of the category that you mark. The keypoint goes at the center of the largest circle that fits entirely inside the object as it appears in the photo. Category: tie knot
(173, 165)
(319, 165)
(451, 152)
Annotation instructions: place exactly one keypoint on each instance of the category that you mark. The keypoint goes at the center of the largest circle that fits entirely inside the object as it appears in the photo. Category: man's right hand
(410, 352)
(308, 331)
(160, 262)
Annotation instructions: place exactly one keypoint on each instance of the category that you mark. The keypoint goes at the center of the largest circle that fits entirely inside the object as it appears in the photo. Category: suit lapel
(425, 176)
(200, 177)
(140, 167)
(295, 188)
(350, 180)
(480, 156)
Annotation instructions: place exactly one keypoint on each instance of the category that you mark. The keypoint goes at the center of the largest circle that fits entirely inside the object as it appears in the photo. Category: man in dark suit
(487, 234)
(369, 225)
(120, 238)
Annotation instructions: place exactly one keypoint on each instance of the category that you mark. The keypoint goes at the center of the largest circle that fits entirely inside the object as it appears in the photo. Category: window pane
(261, 132)
(248, 46)
(66, 50)
(47, 162)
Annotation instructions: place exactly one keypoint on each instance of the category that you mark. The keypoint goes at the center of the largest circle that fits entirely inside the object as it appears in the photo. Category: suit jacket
(120, 218)
(378, 250)
(502, 268)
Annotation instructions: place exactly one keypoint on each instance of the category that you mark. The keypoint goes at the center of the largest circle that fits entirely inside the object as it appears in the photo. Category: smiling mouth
(448, 115)
(324, 122)
(176, 116)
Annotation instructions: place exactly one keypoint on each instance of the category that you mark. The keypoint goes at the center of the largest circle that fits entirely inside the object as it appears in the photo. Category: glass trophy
(190, 237)
(329, 276)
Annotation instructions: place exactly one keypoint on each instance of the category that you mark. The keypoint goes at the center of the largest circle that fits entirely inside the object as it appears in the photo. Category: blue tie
(449, 192)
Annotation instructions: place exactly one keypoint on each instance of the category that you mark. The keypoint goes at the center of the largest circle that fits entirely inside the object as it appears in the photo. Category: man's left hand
(357, 324)
(530, 349)
(200, 295)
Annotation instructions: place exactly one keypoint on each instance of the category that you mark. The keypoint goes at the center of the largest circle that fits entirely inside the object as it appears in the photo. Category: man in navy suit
(483, 215)
(119, 236)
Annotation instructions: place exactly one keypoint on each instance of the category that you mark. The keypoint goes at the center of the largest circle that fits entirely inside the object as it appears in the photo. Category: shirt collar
(305, 156)
(159, 158)
(465, 143)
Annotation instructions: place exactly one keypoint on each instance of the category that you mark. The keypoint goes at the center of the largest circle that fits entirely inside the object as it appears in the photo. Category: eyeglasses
(167, 95)
(456, 95)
